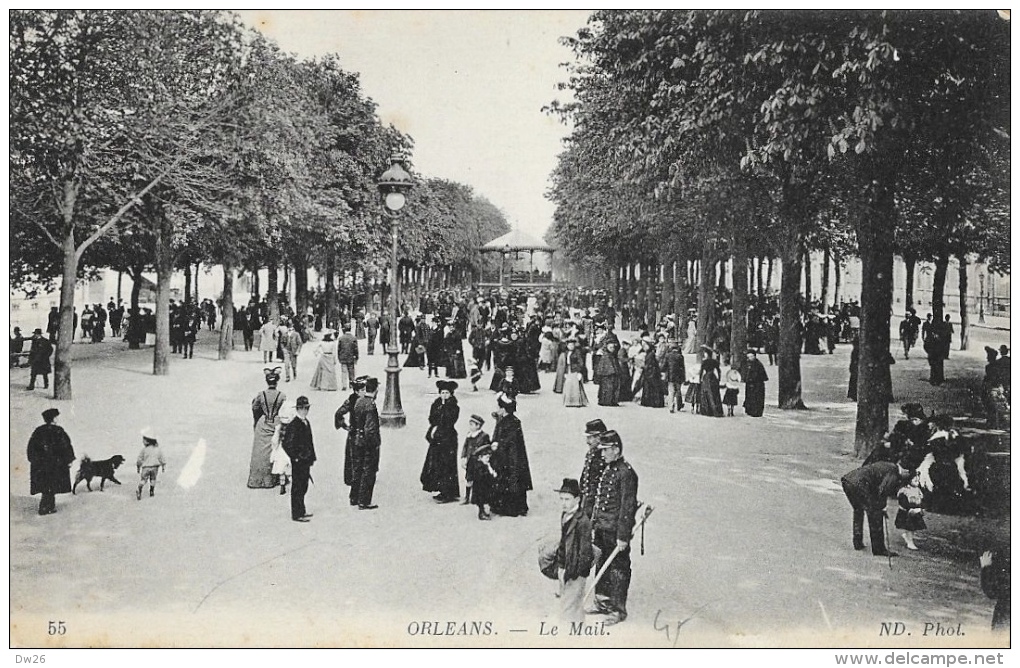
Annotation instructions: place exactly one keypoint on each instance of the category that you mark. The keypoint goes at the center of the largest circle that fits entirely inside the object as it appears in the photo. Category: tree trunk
(274, 291)
(669, 287)
(300, 288)
(286, 283)
(65, 332)
(768, 276)
(826, 261)
(874, 384)
(226, 313)
(680, 305)
(721, 276)
(198, 265)
(332, 305)
(738, 325)
(936, 363)
(706, 301)
(136, 331)
(187, 282)
(838, 266)
(120, 280)
(910, 262)
(652, 300)
(164, 270)
(808, 289)
(964, 312)
(256, 289)
(788, 352)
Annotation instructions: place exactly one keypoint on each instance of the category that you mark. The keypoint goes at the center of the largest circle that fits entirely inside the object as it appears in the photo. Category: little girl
(693, 394)
(733, 381)
(278, 458)
(910, 516)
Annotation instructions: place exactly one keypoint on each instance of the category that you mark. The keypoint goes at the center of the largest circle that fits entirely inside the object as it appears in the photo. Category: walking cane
(616, 550)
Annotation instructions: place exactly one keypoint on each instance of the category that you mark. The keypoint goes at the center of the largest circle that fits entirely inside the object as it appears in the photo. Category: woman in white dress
(324, 377)
(267, 342)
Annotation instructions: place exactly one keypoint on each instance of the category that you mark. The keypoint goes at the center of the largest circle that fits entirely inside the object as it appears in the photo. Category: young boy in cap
(478, 473)
(575, 554)
(150, 459)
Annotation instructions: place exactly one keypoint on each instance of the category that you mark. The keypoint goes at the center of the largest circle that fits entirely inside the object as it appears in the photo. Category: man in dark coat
(365, 424)
(676, 374)
(340, 422)
(754, 385)
(405, 327)
(868, 489)
(347, 356)
(372, 327)
(39, 359)
(613, 520)
(385, 323)
(298, 444)
(50, 455)
(17, 347)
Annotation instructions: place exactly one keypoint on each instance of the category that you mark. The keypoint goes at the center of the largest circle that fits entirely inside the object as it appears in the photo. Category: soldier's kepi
(613, 519)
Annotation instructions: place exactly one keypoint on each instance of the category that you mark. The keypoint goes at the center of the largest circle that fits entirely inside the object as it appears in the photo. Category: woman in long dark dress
(652, 390)
(561, 367)
(754, 385)
(510, 461)
(454, 348)
(435, 349)
(626, 378)
(439, 473)
(711, 401)
(526, 365)
(607, 374)
(501, 358)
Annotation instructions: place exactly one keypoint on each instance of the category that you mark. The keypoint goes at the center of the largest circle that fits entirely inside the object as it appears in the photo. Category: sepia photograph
(503, 329)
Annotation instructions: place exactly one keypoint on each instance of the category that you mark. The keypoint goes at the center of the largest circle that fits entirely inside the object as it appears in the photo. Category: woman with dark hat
(510, 462)
(419, 340)
(439, 473)
(265, 409)
(607, 375)
(49, 455)
(652, 390)
(454, 349)
(710, 399)
(754, 377)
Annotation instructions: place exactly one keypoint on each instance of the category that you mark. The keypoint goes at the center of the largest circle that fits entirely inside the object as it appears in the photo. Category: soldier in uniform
(593, 465)
(365, 425)
(49, 455)
(339, 422)
(613, 525)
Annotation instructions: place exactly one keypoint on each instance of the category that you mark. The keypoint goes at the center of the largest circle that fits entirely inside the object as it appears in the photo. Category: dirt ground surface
(748, 544)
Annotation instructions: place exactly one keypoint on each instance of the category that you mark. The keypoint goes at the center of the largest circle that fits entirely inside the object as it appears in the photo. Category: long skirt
(414, 358)
(527, 377)
(652, 393)
(455, 367)
(711, 402)
(439, 473)
(754, 399)
(609, 390)
(561, 372)
(693, 394)
(573, 391)
(260, 473)
(324, 377)
(626, 387)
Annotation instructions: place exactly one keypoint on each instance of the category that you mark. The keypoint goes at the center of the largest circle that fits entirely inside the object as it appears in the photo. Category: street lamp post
(393, 185)
(981, 299)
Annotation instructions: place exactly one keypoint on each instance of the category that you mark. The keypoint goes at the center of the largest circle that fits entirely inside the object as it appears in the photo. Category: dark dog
(102, 469)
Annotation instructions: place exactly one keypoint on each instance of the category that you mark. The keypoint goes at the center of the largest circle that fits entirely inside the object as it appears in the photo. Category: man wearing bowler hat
(39, 359)
(593, 464)
(613, 522)
(50, 455)
(297, 443)
(575, 555)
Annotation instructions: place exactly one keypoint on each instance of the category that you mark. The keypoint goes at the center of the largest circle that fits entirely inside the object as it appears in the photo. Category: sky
(467, 86)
